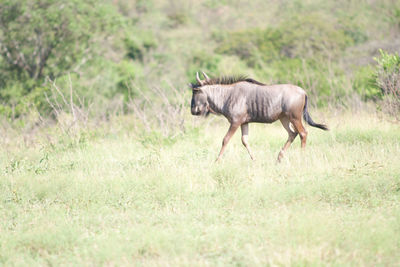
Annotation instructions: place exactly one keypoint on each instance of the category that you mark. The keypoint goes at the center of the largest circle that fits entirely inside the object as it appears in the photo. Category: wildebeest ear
(193, 86)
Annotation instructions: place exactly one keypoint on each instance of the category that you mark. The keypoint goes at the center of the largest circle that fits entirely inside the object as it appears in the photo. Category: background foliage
(111, 52)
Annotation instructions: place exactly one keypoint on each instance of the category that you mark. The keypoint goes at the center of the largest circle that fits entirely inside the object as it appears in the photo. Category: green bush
(47, 38)
(202, 60)
(252, 46)
(312, 35)
(364, 83)
(138, 44)
(388, 80)
(302, 36)
(381, 83)
(388, 63)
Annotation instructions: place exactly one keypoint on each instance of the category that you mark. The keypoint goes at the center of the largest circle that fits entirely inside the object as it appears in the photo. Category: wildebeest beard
(210, 111)
(205, 113)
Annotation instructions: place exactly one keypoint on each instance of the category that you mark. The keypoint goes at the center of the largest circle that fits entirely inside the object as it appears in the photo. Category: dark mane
(228, 80)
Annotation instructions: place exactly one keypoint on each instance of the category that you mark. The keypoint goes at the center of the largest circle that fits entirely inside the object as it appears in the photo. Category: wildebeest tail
(308, 119)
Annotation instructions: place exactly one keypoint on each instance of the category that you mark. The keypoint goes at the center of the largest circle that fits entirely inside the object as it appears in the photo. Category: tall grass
(117, 198)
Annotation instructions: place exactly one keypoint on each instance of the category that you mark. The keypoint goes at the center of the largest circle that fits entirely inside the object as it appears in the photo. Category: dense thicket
(110, 52)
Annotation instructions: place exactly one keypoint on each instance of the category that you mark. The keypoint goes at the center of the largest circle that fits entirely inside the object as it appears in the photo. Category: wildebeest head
(199, 105)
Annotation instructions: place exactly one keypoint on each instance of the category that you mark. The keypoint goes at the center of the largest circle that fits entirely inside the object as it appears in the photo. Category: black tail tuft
(308, 119)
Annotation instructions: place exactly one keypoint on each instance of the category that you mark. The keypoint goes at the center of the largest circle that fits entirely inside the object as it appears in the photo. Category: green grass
(118, 199)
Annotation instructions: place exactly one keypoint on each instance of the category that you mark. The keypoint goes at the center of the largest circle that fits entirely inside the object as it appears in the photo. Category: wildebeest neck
(221, 98)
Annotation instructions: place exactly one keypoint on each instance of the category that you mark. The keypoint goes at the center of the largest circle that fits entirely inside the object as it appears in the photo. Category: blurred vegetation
(388, 80)
(111, 53)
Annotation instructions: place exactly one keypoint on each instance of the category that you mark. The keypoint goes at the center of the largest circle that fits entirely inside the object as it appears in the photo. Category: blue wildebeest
(242, 100)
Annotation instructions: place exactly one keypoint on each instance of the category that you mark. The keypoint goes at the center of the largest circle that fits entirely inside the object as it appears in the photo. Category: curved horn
(205, 76)
(198, 79)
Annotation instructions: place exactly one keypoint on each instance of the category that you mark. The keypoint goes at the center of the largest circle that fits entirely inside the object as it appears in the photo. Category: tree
(47, 38)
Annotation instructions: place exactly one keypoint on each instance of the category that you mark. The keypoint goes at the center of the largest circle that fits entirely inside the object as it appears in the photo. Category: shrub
(202, 60)
(46, 38)
(303, 36)
(364, 83)
(253, 46)
(312, 35)
(388, 80)
(138, 44)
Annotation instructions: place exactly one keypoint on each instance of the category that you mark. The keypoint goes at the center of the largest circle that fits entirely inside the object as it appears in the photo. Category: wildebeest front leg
(245, 135)
(231, 131)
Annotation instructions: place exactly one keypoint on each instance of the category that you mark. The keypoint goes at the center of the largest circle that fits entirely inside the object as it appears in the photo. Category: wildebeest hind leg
(298, 125)
(231, 131)
(245, 135)
(292, 135)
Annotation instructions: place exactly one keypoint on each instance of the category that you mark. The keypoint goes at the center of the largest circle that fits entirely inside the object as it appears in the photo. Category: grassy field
(117, 199)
